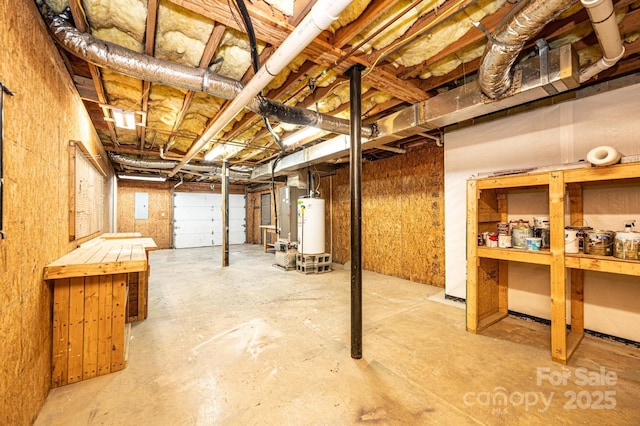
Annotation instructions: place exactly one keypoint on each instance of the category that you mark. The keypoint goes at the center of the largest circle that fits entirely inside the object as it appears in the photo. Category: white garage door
(197, 219)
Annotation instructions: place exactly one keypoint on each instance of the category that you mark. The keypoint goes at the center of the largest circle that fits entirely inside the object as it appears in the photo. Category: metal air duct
(144, 67)
(321, 15)
(135, 163)
(535, 78)
(521, 24)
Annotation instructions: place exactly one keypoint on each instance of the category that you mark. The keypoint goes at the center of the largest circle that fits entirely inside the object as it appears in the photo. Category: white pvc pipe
(603, 19)
(322, 14)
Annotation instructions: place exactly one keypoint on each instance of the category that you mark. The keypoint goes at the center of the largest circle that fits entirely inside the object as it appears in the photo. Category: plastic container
(534, 243)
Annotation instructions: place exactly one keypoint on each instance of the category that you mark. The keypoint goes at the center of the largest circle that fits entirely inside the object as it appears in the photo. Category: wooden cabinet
(487, 268)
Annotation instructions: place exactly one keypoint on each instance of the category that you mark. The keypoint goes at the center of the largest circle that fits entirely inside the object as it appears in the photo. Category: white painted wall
(552, 135)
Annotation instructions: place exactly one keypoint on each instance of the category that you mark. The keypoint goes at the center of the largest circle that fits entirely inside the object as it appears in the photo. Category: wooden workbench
(91, 289)
(266, 230)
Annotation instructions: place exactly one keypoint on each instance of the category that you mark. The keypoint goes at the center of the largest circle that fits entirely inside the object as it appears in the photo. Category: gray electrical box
(288, 212)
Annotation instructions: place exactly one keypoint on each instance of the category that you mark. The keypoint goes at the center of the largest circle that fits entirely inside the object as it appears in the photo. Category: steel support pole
(225, 213)
(355, 183)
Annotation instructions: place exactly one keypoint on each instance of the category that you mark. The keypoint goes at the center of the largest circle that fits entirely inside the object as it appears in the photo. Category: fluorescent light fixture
(300, 135)
(214, 152)
(124, 119)
(151, 178)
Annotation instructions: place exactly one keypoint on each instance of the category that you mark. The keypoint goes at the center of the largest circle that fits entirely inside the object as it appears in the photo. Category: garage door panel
(195, 199)
(195, 227)
(198, 219)
(193, 213)
(237, 237)
(192, 240)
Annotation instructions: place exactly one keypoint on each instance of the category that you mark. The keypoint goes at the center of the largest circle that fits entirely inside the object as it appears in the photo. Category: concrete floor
(251, 344)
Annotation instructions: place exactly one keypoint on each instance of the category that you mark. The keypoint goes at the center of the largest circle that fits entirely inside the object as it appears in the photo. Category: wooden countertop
(102, 257)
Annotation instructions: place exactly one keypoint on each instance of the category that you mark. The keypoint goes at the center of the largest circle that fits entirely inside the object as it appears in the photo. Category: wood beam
(149, 49)
(262, 58)
(207, 56)
(474, 35)
(320, 51)
(300, 10)
(373, 11)
(81, 24)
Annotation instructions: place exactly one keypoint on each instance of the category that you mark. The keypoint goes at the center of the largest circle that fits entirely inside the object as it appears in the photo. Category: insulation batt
(128, 16)
(426, 47)
(234, 48)
(182, 34)
(123, 91)
(451, 62)
(350, 14)
(399, 26)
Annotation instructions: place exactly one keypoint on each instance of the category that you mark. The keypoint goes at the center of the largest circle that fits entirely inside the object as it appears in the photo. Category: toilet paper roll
(603, 156)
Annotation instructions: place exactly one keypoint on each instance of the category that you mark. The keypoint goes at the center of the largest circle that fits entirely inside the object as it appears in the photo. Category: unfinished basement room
(319, 212)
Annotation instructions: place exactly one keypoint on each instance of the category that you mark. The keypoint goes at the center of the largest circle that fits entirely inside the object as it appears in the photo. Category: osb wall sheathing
(254, 203)
(402, 215)
(159, 225)
(39, 121)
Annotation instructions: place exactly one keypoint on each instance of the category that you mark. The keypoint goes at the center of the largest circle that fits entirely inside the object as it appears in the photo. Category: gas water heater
(311, 225)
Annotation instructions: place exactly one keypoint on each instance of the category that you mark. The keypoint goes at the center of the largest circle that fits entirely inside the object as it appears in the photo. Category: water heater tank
(311, 225)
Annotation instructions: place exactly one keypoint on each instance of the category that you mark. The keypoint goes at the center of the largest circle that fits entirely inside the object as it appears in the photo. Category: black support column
(225, 213)
(355, 181)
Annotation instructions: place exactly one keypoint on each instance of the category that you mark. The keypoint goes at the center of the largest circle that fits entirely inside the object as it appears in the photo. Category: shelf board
(514, 181)
(542, 257)
(610, 264)
(597, 174)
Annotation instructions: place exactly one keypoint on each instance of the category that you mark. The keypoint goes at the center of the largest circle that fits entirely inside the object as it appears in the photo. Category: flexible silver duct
(156, 165)
(523, 22)
(447, 108)
(144, 67)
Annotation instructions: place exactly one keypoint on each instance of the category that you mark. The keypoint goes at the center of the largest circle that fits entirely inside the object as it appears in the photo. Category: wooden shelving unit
(487, 268)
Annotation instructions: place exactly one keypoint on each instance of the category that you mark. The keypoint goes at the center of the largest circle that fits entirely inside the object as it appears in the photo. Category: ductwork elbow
(523, 22)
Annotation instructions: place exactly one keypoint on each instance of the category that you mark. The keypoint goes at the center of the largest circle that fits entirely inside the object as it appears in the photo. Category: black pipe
(3, 89)
(250, 33)
(225, 213)
(355, 183)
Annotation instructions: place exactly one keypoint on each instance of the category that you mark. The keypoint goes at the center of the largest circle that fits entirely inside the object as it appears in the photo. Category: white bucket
(571, 242)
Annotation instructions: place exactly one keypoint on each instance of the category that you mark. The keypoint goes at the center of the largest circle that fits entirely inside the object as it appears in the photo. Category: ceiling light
(151, 178)
(214, 153)
(300, 135)
(124, 119)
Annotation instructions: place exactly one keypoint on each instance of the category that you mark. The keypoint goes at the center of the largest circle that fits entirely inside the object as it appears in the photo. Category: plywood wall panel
(158, 226)
(402, 215)
(253, 212)
(39, 121)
